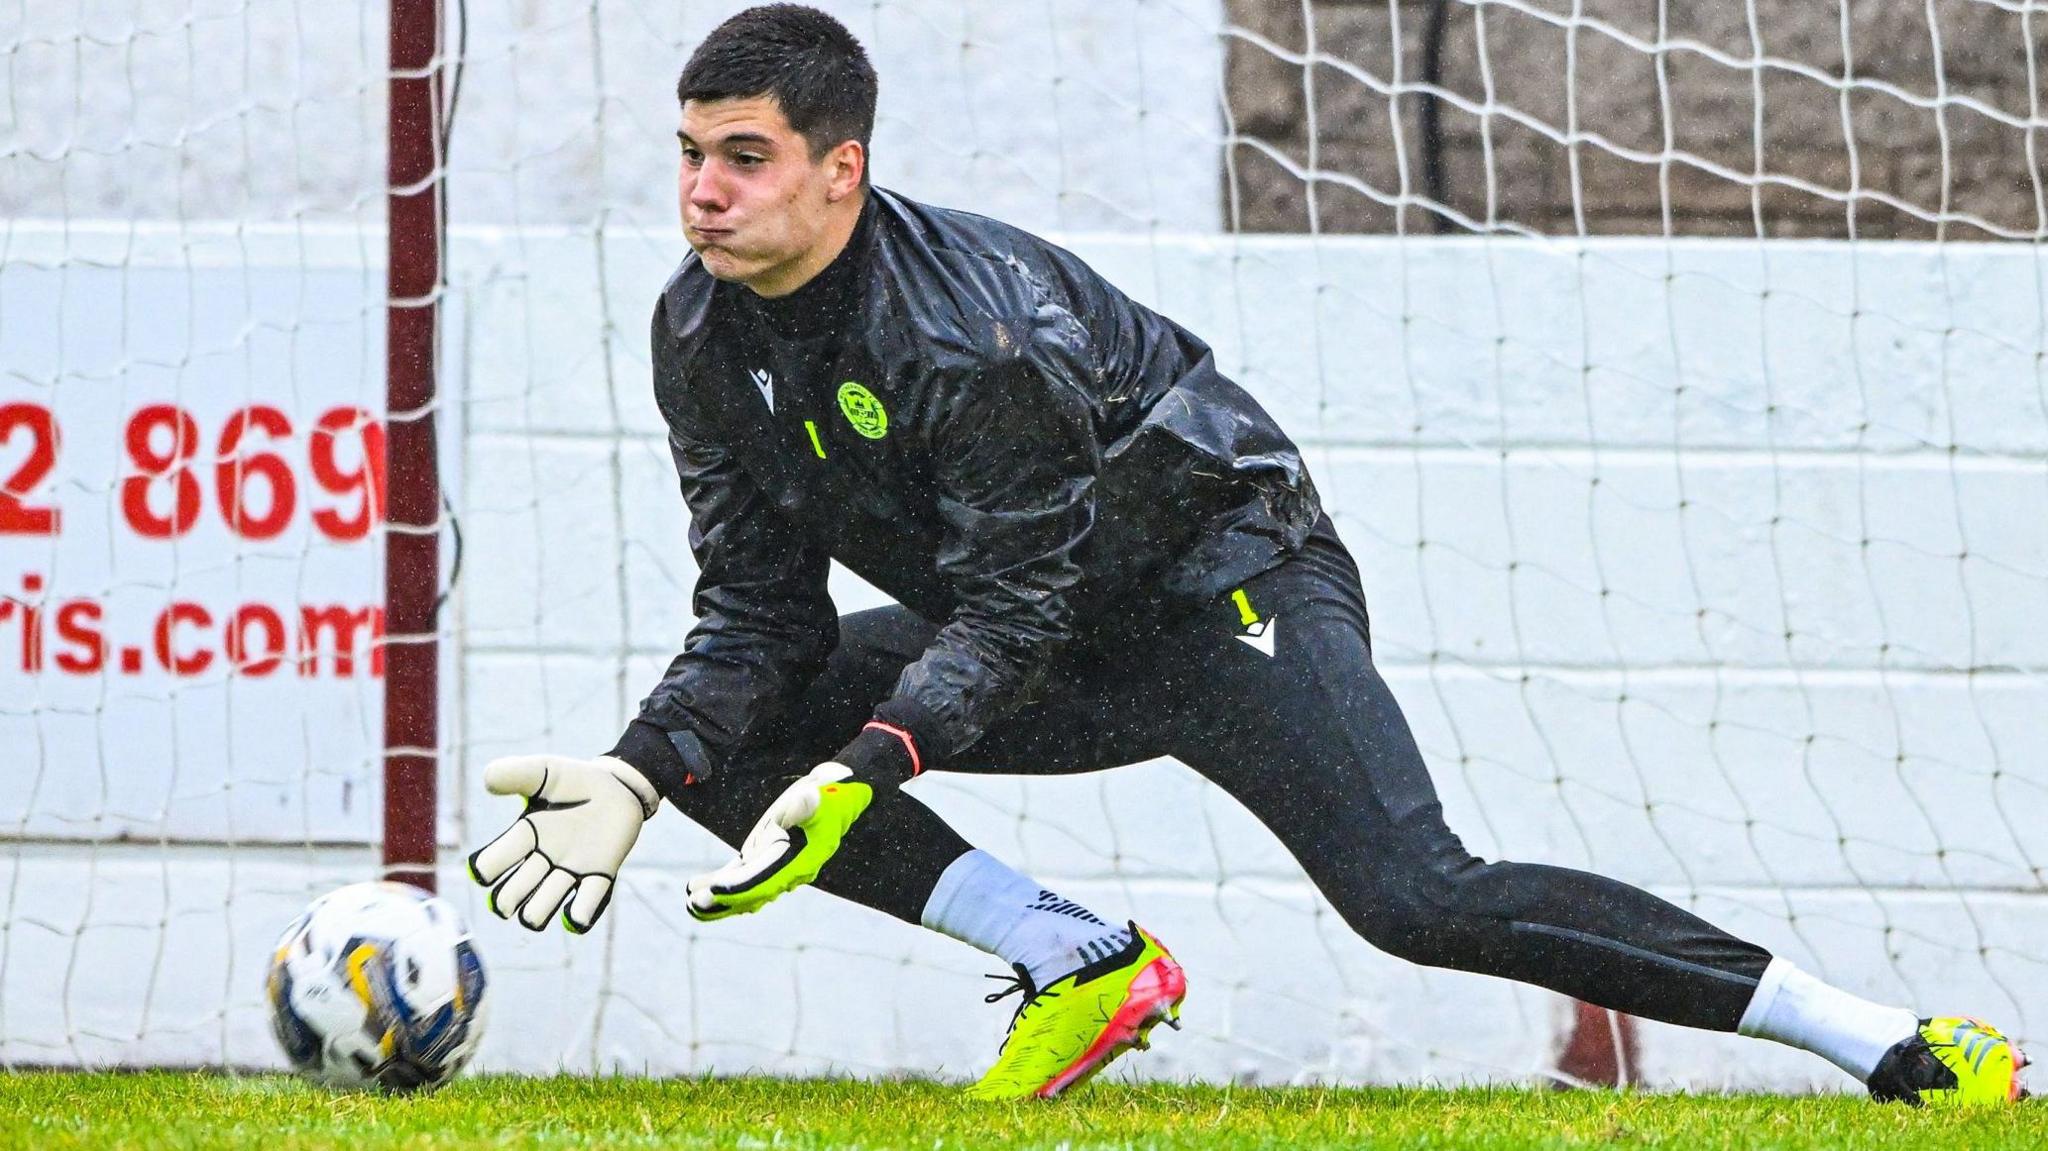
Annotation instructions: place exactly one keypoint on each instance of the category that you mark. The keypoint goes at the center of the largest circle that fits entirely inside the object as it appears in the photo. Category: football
(377, 987)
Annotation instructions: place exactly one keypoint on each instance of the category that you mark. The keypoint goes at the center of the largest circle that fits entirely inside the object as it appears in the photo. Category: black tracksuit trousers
(1308, 738)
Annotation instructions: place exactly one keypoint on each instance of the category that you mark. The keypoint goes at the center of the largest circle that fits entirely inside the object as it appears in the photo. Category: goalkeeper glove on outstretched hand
(582, 817)
(799, 833)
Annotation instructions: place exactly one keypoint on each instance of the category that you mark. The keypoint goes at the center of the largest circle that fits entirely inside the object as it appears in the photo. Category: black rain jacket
(975, 422)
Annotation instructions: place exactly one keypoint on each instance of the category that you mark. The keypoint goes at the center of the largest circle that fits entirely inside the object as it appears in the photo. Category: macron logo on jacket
(764, 381)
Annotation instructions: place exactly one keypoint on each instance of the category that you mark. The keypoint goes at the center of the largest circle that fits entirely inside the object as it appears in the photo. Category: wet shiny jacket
(979, 425)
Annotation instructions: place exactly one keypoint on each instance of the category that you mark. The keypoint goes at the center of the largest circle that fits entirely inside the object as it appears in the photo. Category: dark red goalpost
(412, 560)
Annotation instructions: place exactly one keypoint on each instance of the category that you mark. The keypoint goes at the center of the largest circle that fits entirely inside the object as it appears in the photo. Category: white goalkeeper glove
(582, 816)
(798, 833)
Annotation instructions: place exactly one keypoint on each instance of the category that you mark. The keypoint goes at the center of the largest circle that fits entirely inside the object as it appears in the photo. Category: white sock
(1852, 1033)
(982, 901)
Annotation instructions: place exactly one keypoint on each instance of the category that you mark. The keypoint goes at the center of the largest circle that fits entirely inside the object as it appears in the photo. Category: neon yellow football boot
(1066, 1032)
(1950, 1062)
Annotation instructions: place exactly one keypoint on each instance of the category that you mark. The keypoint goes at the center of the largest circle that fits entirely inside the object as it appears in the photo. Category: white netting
(1699, 475)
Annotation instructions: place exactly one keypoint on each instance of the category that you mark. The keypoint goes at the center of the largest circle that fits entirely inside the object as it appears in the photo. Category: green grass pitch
(51, 1111)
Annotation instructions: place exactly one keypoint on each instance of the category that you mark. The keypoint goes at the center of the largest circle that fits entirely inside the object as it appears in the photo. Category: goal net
(1674, 371)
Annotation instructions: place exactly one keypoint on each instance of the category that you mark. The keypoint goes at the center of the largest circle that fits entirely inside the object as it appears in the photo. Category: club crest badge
(863, 410)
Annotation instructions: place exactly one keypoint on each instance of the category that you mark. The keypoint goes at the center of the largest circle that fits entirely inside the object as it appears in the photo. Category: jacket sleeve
(765, 621)
(1015, 458)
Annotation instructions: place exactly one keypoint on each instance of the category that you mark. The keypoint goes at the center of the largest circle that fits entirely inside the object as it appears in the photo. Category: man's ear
(848, 162)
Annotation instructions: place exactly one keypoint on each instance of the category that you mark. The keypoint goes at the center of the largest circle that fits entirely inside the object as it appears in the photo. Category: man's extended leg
(1285, 711)
(1304, 732)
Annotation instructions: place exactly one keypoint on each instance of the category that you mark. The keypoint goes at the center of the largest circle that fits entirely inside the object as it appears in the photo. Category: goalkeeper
(1104, 551)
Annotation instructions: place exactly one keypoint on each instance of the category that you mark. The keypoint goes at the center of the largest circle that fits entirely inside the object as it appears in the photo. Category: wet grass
(178, 1110)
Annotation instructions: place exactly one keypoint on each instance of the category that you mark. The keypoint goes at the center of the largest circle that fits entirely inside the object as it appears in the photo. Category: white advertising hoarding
(191, 480)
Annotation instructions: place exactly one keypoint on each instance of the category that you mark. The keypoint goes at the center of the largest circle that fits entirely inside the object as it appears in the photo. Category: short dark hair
(806, 60)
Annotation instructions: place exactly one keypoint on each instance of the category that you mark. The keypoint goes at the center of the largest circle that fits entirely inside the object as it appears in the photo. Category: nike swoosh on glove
(582, 816)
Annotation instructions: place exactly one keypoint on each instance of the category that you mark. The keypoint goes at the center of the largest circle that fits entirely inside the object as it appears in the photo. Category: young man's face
(755, 205)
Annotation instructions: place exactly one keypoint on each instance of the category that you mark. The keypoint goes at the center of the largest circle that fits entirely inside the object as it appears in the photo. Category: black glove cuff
(892, 747)
(671, 760)
(879, 756)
